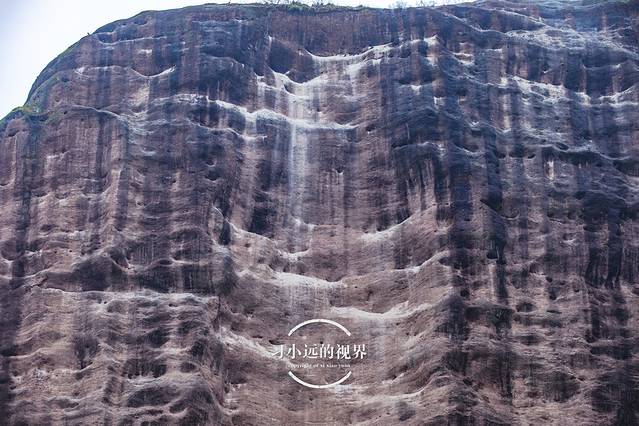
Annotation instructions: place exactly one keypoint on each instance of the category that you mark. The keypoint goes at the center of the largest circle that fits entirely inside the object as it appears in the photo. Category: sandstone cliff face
(457, 186)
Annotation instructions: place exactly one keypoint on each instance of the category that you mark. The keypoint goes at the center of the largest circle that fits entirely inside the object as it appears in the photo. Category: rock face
(458, 186)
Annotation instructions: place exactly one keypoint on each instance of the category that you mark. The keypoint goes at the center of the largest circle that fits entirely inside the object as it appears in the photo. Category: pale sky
(34, 32)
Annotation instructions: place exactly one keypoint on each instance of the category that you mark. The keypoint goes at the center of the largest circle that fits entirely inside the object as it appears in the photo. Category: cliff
(458, 186)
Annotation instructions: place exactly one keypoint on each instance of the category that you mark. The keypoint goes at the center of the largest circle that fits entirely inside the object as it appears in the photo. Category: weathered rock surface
(458, 186)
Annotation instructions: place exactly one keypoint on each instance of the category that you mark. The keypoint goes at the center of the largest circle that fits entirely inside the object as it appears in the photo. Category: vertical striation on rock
(458, 185)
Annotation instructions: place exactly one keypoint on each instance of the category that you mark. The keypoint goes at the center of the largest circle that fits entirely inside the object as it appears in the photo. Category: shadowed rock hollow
(456, 185)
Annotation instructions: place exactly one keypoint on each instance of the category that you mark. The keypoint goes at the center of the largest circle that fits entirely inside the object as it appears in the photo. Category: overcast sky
(34, 32)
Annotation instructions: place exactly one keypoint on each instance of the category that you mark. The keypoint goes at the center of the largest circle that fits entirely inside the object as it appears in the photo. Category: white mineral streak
(398, 311)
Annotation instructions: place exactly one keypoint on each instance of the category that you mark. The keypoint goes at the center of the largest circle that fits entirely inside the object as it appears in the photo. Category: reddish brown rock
(457, 186)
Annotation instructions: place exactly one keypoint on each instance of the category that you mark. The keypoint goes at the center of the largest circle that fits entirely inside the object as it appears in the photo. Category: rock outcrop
(456, 185)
